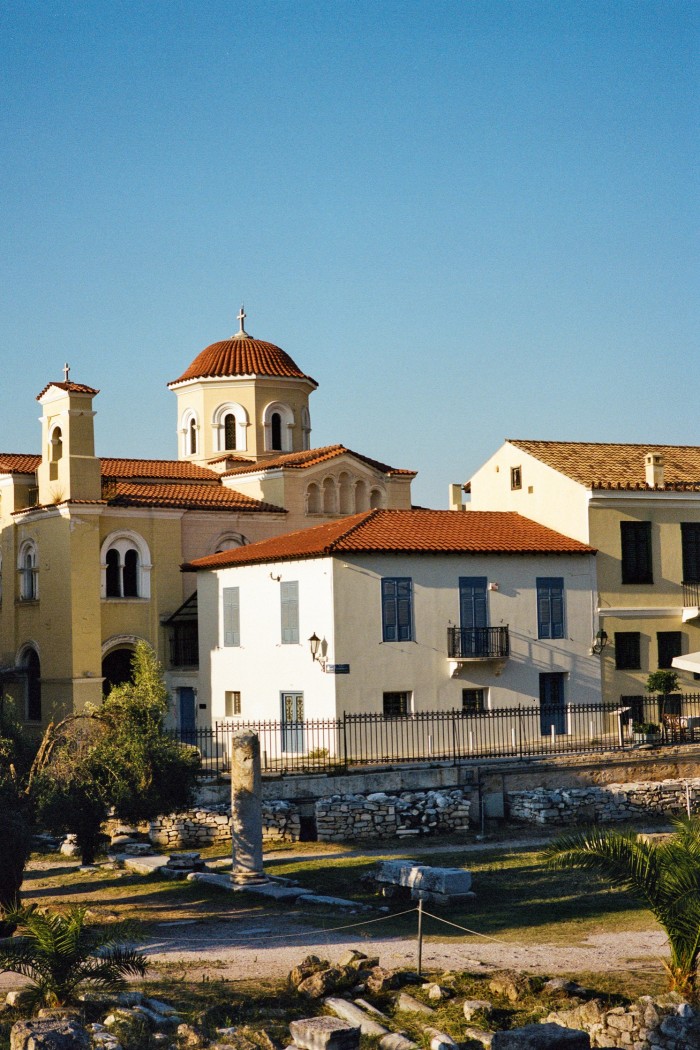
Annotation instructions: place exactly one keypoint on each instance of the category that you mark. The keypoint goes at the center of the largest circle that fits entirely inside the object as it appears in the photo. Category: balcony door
(473, 615)
(188, 723)
(552, 709)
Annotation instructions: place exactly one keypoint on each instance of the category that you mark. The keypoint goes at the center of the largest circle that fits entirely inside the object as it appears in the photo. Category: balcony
(691, 600)
(477, 645)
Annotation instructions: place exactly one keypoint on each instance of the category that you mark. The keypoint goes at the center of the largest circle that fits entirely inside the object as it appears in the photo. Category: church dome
(241, 355)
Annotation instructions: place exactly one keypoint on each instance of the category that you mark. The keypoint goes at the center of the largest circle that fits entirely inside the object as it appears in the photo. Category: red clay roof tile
(310, 458)
(18, 463)
(242, 356)
(185, 495)
(406, 531)
(602, 465)
(156, 468)
(71, 388)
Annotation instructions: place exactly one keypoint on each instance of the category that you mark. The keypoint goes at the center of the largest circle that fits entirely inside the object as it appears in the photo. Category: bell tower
(69, 468)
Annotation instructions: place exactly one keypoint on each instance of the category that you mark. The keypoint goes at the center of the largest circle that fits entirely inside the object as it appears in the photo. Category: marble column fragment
(246, 808)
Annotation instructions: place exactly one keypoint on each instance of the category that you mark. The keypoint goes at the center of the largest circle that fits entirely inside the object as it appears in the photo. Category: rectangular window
(552, 709)
(669, 645)
(397, 609)
(232, 616)
(635, 537)
(473, 701)
(627, 651)
(550, 607)
(690, 544)
(396, 705)
(289, 596)
(516, 478)
(233, 703)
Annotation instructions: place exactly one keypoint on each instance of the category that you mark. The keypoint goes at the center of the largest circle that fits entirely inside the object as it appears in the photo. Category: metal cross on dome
(241, 318)
(66, 372)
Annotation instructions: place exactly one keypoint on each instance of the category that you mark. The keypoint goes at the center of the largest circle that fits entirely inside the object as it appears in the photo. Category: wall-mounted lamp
(315, 647)
(599, 642)
(275, 578)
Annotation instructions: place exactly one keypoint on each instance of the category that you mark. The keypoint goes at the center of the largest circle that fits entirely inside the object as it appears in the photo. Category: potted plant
(645, 732)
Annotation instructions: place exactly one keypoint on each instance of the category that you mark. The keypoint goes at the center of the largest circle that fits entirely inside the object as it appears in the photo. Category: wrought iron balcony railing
(691, 594)
(477, 643)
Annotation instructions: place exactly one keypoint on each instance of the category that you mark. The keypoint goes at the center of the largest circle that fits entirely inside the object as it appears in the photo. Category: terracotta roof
(156, 468)
(71, 388)
(18, 463)
(406, 531)
(187, 496)
(613, 466)
(310, 458)
(242, 356)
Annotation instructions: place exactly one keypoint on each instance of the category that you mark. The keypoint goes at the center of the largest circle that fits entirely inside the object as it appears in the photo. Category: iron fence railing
(473, 643)
(691, 594)
(332, 745)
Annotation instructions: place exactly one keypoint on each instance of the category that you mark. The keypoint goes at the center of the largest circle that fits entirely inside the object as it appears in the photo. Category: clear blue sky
(467, 220)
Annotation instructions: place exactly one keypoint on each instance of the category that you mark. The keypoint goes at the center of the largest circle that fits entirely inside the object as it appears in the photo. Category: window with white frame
(232, 701)
(126, 566)
(230, 424)
(278, 421)
(28, 569)
(189, 430)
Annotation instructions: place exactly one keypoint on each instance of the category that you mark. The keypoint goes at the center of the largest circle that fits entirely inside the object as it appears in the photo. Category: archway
(116, 668)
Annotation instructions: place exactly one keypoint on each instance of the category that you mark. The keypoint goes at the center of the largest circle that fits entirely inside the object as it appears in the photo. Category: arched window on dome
(126, 566)
(189, 432)
(229, 425)
(305, 429)
(313, 499)
(276, 432)
(278, 420)
(230, 432)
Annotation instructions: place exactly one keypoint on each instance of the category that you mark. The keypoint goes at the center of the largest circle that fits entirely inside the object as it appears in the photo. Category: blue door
(188, 726)
(293, 722)
(473, 616)
(552, 710)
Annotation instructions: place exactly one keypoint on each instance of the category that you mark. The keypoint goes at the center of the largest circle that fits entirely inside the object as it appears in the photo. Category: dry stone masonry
(601, 805)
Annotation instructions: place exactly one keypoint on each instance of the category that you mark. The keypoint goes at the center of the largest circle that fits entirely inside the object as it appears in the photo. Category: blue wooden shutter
(550, 607)
(389, 625)
(232, 617)
(397, 609)
(289, 596)
(473, 610)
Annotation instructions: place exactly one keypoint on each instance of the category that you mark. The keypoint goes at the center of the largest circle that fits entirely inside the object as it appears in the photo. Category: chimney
(654, 470)
(456, 497)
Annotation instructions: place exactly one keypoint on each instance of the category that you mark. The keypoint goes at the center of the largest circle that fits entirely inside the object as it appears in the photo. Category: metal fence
(335, 745)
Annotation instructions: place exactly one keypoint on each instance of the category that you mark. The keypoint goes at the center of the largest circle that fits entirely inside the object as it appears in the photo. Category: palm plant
(64, 956)
(664, 876)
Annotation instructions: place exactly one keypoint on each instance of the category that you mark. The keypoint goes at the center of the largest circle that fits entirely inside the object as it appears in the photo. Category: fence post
(520, 731)
(454, 738)
(345, 741)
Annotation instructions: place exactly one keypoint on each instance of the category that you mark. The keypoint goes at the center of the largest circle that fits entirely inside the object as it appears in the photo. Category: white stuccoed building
(399, 612)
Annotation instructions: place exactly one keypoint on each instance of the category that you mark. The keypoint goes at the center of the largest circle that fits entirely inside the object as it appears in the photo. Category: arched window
(32, 667)
(376, 499)
(276, 431)
(329, 500)
(189, 433)
(230, 431)
(228, 541)
(345, 494)
(278, 420)
(313, 499)
(56, 450)
(305, 429)
(361, 497)
(229, 424)
(126, 566)
(28, 567)
(117, 663)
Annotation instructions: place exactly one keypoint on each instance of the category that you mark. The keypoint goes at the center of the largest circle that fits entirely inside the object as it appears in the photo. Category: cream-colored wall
(205, 396)
(546, 495)
(340, 602)
(202, 531)
(646, 608)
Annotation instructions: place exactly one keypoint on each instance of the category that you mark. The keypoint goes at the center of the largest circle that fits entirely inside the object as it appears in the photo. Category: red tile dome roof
(242, 355)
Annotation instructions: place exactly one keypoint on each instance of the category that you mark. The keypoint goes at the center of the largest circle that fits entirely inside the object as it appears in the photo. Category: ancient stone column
(246, 808)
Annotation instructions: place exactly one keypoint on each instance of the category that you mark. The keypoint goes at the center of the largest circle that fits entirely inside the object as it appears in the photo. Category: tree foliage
(662, 681)
(16, 812)
(118, 758)
(64, 956)
(664, 876)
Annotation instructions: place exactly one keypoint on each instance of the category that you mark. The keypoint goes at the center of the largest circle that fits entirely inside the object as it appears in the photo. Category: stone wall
(206, 825)
(666, 1023)
(605, 804)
